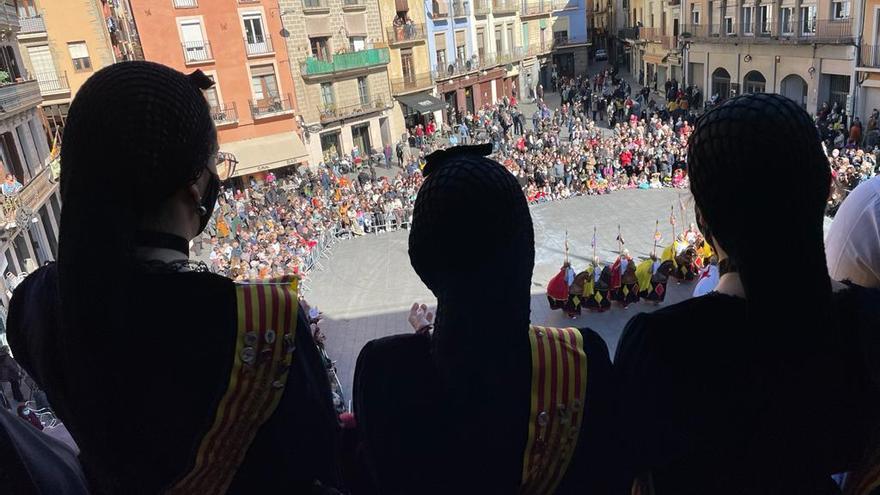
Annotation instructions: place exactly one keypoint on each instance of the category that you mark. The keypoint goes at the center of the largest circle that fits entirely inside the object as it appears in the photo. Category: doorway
(360, 136)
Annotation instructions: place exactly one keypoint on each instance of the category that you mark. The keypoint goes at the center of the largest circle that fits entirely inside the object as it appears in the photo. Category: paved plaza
(368, 285)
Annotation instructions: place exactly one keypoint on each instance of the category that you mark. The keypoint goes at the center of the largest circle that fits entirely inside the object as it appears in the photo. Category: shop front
(256, 157)
(419, 108)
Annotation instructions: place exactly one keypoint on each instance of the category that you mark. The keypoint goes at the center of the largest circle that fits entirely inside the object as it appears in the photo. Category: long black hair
(136, 133)
(759, 139)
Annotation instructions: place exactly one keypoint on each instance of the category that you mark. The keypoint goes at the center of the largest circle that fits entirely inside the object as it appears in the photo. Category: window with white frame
(357, 43)
(728, 25)
(255, 37)
(840, 9)
(787, 20)
(808, 20)
(327, 94)
(748, 20)
(264, 83)
(79, 55)
(766, 20)
(695, 15)
(195, 48)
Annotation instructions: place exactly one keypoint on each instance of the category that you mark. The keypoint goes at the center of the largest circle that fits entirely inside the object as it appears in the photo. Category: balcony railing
(196, 52)
(333, 112)
(186, 4)
(565, 4)
(310, 5)
(52, 82)
(504, 7)
(9, 15)
(31, 25)
(832, 31)
(223, 114)
(563, 41)
(258, 45)
(343, 62)
(870, 56)
(630, 33)
(406, 33)
(482, 7)
(271, 107)
(649, 33)
(459, 8)
(19, 96)
(22, 205)
(669, 43)
(248, 1)
(535, 7)
(353, 4)
(413, 82)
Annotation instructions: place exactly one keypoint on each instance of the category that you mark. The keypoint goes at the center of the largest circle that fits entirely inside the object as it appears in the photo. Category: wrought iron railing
(333, 112)
(51, 82)
(258, 45)
(406, 33)
(33, 24)
(197, 51)
(412, 82)
(269, 107)
(225, 113)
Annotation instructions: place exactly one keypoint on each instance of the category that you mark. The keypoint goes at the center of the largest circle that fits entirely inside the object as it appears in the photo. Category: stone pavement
(368, 285)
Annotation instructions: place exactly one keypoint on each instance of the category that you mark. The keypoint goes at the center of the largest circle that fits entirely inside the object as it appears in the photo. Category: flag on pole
(657, 235)
(593, 242)
(620, 239)
(672, 216)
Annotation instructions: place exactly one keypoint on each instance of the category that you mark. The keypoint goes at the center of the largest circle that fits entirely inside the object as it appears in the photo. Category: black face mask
(209, 200)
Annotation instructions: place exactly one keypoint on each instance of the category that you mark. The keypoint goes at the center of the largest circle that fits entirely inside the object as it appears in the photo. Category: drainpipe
(856, 89)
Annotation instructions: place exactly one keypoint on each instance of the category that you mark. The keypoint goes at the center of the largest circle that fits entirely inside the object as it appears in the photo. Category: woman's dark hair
(136, 133)
(733, 144)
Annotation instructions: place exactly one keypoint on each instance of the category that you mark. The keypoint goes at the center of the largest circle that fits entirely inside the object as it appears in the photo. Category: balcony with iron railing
(32, 25)
(459, 8)
(18, 209)
(827, 31)
(197, 52)
(273, 106)
(19, 96)
(256, 46)
(52, 83)
(333, 112)
(411, 83)
(870, 57)
(535, 7)
(504, 7)
(482, 7)
(406, 33)
(346, 62)
(186, 4)
(224, 114)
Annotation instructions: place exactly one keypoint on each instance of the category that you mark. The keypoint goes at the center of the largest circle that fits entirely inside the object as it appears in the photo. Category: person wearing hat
(484, 403)
(125, 321)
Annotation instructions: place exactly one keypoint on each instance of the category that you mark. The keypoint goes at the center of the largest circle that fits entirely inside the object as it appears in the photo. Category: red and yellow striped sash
(263, 353)
(559, 384)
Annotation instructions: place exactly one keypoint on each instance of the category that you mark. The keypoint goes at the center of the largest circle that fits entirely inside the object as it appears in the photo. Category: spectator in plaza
(771, 400)
(10, 185)
(126, 318)
(471, 378)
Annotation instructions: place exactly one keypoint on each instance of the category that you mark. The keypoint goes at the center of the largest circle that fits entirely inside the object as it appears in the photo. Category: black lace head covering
(760, 181)
(136, 133)
(472, 231)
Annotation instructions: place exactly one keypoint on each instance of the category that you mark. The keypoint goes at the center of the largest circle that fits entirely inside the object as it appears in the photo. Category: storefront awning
(422, 102)
(266, 153)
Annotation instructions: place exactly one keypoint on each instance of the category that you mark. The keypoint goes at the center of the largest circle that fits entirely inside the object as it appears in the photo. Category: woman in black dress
(760, 386)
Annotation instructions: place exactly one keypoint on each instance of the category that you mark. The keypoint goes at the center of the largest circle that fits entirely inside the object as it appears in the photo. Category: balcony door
(193, 41)
(26, 9)
(44, 67)
(265, 86)
(255, 33)
(407, 65)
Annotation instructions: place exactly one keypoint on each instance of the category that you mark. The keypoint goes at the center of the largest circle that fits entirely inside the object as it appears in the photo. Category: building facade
(63, 43)
(30, 215)
(238, 44)
(339, 62)
(652, 48)
(868, 67)
(804, 49)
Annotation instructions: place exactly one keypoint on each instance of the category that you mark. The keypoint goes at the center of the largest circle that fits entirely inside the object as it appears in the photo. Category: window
(498, 48)
(253, 28)
(728, 25)
(747, 20)
(560, 37)
(79, 54)
(481, 42)
(263, 83)
(195, 48)
(460, 53)
(695, 15)
(211, 93)
(327, 94)
(320, 48)
(363, 91)
(808, 19)
(357, 43)
(441, 58)
(766, 19)
(787, 18)
(510, 44)
(407, 65)
(838, 89)
(840, 9)
(41, 61)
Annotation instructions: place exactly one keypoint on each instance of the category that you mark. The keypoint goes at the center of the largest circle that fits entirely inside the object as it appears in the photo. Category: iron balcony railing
(271, 106)
(258, 45)
(504, 7)
(52, 82)
(225, 113)
(18, 96)
(563, 41)
(343, 62)
(535, 7)
(9, 15)
(411, 82)
(195, 52)
(833, 31)
(186, 4)
(870, 56)
(333, 112)
(406, 33)
(30, 25)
